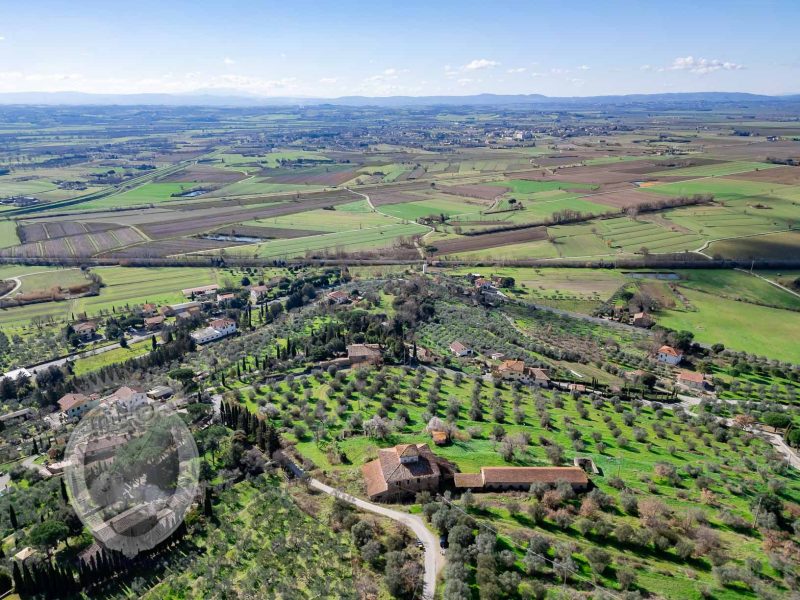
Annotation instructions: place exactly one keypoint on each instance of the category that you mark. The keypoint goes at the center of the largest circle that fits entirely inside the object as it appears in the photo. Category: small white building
(669, 355)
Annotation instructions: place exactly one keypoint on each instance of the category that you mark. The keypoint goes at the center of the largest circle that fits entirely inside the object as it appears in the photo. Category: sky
(375, 48)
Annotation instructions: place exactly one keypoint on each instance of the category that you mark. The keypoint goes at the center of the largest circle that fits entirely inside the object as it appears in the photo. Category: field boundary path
(372, 206)
(434, 561)
(769, 281)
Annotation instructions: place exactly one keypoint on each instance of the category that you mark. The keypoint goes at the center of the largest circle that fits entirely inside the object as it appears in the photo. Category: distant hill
(209, 98)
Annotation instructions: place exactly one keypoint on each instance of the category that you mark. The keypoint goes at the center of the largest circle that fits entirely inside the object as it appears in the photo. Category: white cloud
(559, 71)
(465, 81)
(329, 80)
(228, 61)
(517, 70)
(2, 38)
(584, 68)
(703, 66)
(479, 64)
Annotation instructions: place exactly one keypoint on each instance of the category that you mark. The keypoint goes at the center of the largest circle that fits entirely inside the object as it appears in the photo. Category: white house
(74, 406)
(669, 355)
(217, 329)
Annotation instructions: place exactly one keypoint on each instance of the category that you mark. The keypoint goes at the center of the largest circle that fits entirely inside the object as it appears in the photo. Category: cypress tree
(12, 516)
(208, 507)
(19, 584)
(64, 495)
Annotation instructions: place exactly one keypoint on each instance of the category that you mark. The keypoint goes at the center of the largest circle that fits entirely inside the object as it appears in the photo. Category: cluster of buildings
(404, 470)
(517, 370)
(74, 406)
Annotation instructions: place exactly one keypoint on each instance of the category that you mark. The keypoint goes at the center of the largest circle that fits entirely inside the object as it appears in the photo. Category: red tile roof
(521, 475)
(670, 351)
(388, 468)
(691, 376)
(68, 401)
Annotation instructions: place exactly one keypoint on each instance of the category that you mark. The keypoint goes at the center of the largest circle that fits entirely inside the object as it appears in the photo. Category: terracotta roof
(388, 468)
(691, 376)
(200, 290)
(259, 289)
(222, 323)
(154, 320)
(84, 326)
(458, 347)
(338, 294)
(512, 366)
(439, 436)
(468, 480)
(68, 401)
(539, 374)
(670, 351)
(363, 350)
(521, 475)
(373, 475)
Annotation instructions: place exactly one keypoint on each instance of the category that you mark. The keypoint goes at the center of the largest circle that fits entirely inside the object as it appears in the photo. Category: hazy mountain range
(220, 99)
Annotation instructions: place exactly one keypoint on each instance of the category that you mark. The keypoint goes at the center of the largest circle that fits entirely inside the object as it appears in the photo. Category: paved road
(59, 362)
(689, 402)
(434, 560)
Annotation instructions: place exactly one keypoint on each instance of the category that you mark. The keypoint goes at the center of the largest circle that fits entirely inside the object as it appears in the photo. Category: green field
(526, 187)
(722, 189)
(8, 234)
(735, 285)
(353, 240)
(769, 332)
(774, 245)
(149, 193)
(525, 250)
(258, 185)
(123, 286)
(104, 359)
(426, 208)
(717, 170)
(339, 220)
(45, 281)
(12, 186)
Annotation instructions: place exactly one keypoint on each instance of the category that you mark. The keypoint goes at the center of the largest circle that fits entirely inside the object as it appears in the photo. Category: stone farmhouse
(400, 472)
(217, 329)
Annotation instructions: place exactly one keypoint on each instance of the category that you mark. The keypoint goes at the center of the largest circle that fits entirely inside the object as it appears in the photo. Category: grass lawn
(45, 281)
(761, 330)
(735, 285)
(8, 234)
(118, 355)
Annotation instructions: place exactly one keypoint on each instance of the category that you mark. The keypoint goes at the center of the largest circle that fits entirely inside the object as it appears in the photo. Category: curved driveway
(434, 560)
